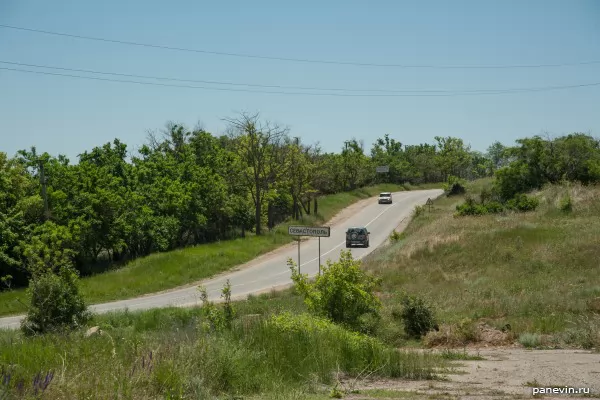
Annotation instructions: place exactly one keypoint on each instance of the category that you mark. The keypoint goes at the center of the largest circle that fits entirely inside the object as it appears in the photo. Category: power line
(507, 91)
(301, 60)
(257, 85)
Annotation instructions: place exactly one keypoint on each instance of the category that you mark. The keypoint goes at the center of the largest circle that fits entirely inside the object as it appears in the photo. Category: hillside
(535, 271)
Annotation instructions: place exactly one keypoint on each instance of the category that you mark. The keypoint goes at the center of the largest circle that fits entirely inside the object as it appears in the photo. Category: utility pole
(346, 183)
(44, 193)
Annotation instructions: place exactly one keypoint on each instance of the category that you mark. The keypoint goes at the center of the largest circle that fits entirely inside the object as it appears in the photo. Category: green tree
(261, 151)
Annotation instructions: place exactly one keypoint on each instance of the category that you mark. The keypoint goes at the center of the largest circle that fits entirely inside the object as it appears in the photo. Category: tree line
(189, 187)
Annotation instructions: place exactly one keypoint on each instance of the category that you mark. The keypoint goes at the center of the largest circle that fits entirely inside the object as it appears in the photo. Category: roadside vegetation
(167, 270)
(221, 350)
(521, 271)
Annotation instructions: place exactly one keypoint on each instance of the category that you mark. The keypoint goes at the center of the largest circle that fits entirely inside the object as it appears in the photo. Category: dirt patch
(504, 373)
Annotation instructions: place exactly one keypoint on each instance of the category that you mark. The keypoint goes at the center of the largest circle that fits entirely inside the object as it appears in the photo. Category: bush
(419, 210)
(396, 236)
(566, 203)
(455, 186)
(470, 207)
(417, 317)
(55, 303)
(215, 318)
(343, 293)
(522, 202)
(494, 207)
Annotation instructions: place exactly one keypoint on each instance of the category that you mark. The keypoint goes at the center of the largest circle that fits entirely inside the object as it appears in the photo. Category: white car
(385, 198)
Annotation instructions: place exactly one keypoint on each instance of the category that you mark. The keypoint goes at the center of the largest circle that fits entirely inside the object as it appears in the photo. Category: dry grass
(537, 272)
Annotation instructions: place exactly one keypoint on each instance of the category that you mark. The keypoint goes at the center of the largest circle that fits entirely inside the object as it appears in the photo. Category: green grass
(536, 271)
(462, 356)
(167, 270)
(164, 354)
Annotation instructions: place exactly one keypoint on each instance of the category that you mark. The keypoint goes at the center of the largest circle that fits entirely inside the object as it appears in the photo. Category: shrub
(343, 293)
(566, 203)
(470, 207)
(494, 207)
(485, 196)
(530, 340)
(419, 210)
(522, 202)
(396, 236)
(55, 303)
(454, 186)
(215, 318)
(417, 316)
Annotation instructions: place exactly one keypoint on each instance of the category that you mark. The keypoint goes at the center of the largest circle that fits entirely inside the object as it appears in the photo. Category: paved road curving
(273, 271)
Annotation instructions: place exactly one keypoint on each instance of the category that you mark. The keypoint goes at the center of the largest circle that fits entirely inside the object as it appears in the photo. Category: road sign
(383, 169)
(323, 231)
(429, 202)
(317, 231)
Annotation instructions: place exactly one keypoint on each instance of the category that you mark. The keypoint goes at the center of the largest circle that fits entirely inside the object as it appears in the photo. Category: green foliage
(343, 293)
(396, 236)
(173, 360)
(537, 161)
(530, 340)
(419, 210)
(566, 203)
(417, 316)
(190, 187)
(454, 186)
(217, 318)
(522, 202)
(49, 248)
(55, 303)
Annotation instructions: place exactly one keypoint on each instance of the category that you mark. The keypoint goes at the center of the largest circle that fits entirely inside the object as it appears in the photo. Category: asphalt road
(273, 272)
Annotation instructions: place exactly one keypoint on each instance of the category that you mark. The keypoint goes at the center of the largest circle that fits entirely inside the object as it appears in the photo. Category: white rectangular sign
(383, 168)
(323, 231)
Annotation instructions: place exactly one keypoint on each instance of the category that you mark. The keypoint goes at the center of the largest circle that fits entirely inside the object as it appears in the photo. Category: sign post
(323, 231)
(319, 255)
(429, 203)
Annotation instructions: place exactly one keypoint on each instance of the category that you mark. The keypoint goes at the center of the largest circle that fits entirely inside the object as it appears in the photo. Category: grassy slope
(537, 271)
(163, 271)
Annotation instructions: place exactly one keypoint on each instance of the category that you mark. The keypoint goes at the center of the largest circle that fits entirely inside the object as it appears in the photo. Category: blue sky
(67, 116)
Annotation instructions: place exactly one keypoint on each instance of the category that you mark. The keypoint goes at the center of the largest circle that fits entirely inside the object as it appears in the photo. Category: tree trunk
(258, 214)
(270, 223)
(308, 207)
(315, 207)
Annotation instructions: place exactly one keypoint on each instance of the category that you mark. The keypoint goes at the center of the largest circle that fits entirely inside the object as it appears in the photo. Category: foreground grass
(165, 354)
(167, 270)
(537, 272)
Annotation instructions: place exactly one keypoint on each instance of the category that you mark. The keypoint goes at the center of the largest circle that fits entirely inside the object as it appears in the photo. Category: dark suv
(357, 236)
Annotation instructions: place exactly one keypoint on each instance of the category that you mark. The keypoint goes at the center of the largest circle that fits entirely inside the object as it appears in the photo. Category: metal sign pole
(298, 254)
(319, 255)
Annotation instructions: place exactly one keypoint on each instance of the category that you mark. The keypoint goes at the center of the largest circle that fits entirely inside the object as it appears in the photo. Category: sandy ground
(505, 373)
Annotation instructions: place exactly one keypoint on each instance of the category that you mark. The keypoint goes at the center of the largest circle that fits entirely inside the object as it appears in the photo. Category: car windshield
(384, 194)
(356, 230)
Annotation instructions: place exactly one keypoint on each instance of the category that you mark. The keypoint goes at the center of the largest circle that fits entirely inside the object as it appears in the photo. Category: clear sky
(63, 115)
